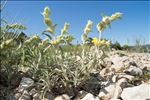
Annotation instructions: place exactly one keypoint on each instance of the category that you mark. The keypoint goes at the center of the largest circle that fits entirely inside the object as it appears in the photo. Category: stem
(83, 55)
(83, 52)
(100, 36)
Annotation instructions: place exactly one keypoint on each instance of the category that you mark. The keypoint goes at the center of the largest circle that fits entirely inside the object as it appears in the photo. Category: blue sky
(134, 24)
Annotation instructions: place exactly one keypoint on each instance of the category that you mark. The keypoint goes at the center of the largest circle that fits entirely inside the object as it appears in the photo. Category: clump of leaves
(54, 63)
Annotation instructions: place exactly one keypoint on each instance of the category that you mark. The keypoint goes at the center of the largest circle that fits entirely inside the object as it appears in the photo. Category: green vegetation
(54, 63)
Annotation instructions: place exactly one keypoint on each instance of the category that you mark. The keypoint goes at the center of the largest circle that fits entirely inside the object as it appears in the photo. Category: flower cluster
(64, 37)
(48, 21)
(97, 42)
(87, 30)
(65, 28)
(116, 16)
(106, 21)
(88, 27)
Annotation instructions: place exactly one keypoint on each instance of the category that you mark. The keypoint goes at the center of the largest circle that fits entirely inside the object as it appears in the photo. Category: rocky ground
(125, 76)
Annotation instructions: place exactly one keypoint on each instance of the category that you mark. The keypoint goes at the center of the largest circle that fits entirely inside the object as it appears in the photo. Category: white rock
(119, 62)
(104, 71)
(123, 75)
(113, 90)
(50, 96)
(62, 97)
(25, 83)
(122, 83)
(135, 70)
(81, 94)
(89, 96)
(141, 92)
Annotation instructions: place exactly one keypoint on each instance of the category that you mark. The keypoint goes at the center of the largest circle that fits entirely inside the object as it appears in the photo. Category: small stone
(49, 96)
(129, 77)
(62, 97)
(107, 91)
(17, 95)
(81, 94)
(122, 83)
(134, 71)
(104, 72)
(89, 96)
(25, 83)
(113, 90)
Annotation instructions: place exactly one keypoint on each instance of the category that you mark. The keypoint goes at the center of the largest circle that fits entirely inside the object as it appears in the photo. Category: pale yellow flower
(65, 28)
(88, 27)
(96, 42)
(89, 24)
(46, 12)
(116, 16)
(84, 37)
(101, 26)
(87, 30)
(106, 20)
(48, 22)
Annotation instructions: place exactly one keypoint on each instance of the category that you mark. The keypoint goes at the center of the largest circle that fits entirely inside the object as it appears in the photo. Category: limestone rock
(25, 83)
(62, 97)
(134, 71)
(141, 92)
(89, 96)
